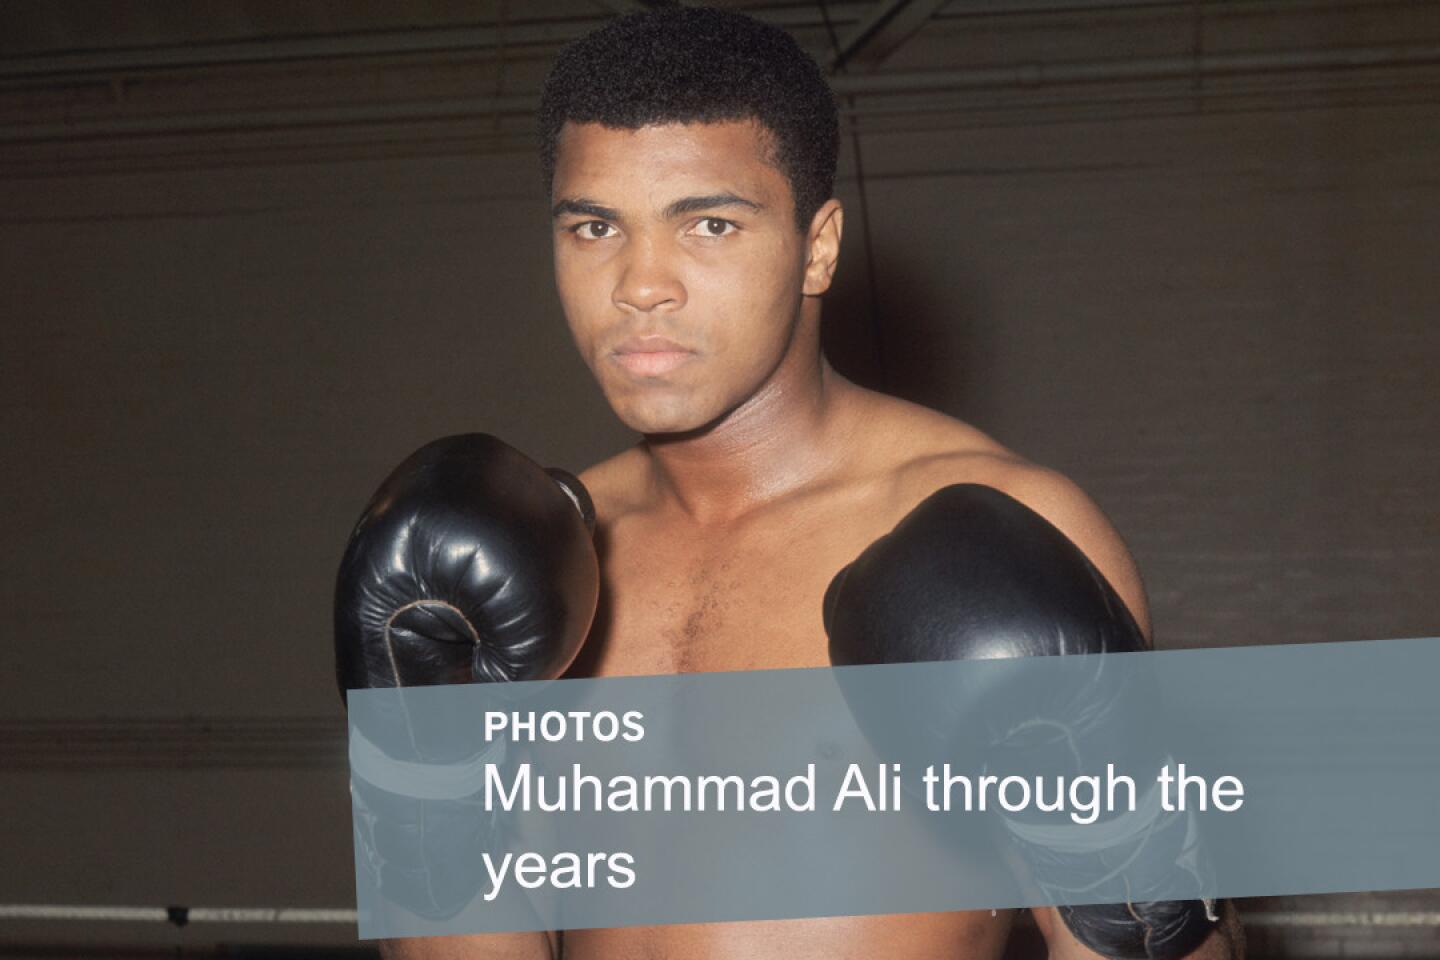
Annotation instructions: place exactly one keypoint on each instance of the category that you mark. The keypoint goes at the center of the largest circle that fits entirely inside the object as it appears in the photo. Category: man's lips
(650, 356)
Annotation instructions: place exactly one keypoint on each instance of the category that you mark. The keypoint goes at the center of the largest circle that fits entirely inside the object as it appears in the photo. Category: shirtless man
(691, 157)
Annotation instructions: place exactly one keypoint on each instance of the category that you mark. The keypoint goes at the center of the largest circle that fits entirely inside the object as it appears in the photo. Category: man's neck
(790, 434)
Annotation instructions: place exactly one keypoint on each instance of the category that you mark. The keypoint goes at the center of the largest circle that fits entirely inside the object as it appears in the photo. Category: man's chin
(667, 423)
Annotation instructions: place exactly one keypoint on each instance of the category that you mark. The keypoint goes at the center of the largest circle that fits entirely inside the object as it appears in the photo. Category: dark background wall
(252, 254)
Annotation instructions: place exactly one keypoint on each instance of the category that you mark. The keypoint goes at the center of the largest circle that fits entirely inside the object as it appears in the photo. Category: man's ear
(824, 247)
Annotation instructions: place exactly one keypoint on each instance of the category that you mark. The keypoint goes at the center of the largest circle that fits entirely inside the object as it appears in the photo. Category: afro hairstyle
(699, 65)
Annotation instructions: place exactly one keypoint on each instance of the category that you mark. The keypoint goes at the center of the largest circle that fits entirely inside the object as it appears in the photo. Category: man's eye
(593, 230)
(714, 227)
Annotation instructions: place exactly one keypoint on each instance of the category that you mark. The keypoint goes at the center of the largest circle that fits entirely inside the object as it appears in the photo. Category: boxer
(690, 158)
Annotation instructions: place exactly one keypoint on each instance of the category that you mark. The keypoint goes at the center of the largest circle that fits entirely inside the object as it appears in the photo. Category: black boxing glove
(972, 573)
(470, 564)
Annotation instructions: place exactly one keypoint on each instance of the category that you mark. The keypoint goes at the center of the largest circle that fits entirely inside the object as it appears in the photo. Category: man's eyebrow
(580, 206)
(695, 204)
(584, 208)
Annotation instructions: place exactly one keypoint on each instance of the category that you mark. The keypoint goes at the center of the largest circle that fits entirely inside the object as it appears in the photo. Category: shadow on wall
(910, 339)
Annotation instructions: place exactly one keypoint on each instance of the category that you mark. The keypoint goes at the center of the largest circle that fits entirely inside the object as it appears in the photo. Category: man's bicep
(1064, 504)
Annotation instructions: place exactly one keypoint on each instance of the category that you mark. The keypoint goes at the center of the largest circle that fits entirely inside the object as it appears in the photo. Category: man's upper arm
(1065, 505)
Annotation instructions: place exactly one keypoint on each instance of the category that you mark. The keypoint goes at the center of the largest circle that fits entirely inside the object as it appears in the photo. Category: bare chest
(745, 600)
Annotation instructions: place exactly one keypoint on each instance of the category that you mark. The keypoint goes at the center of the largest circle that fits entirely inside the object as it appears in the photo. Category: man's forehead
(744, 133)
(735, 155)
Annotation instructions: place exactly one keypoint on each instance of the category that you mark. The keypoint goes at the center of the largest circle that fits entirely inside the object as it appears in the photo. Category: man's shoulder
(920, 449)
(618, 483)
(928, 450)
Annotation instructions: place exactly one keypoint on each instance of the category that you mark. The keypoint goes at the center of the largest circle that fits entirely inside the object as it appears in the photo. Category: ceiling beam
(635, 6)
(882, 31)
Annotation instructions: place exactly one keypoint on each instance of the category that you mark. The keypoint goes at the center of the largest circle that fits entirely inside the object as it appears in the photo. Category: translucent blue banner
(907, 788)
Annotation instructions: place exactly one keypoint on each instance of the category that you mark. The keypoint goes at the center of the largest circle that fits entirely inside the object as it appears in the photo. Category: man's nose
(647, 281)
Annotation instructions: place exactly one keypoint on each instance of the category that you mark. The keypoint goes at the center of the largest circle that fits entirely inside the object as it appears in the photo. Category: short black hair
(700, 65)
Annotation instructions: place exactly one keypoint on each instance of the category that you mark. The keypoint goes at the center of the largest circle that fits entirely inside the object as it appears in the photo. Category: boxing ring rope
(180, 916)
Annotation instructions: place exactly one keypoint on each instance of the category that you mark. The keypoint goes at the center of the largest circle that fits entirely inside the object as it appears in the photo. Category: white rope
(267, 915)
(176, 915)
(1301, 918)
(23, 911)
